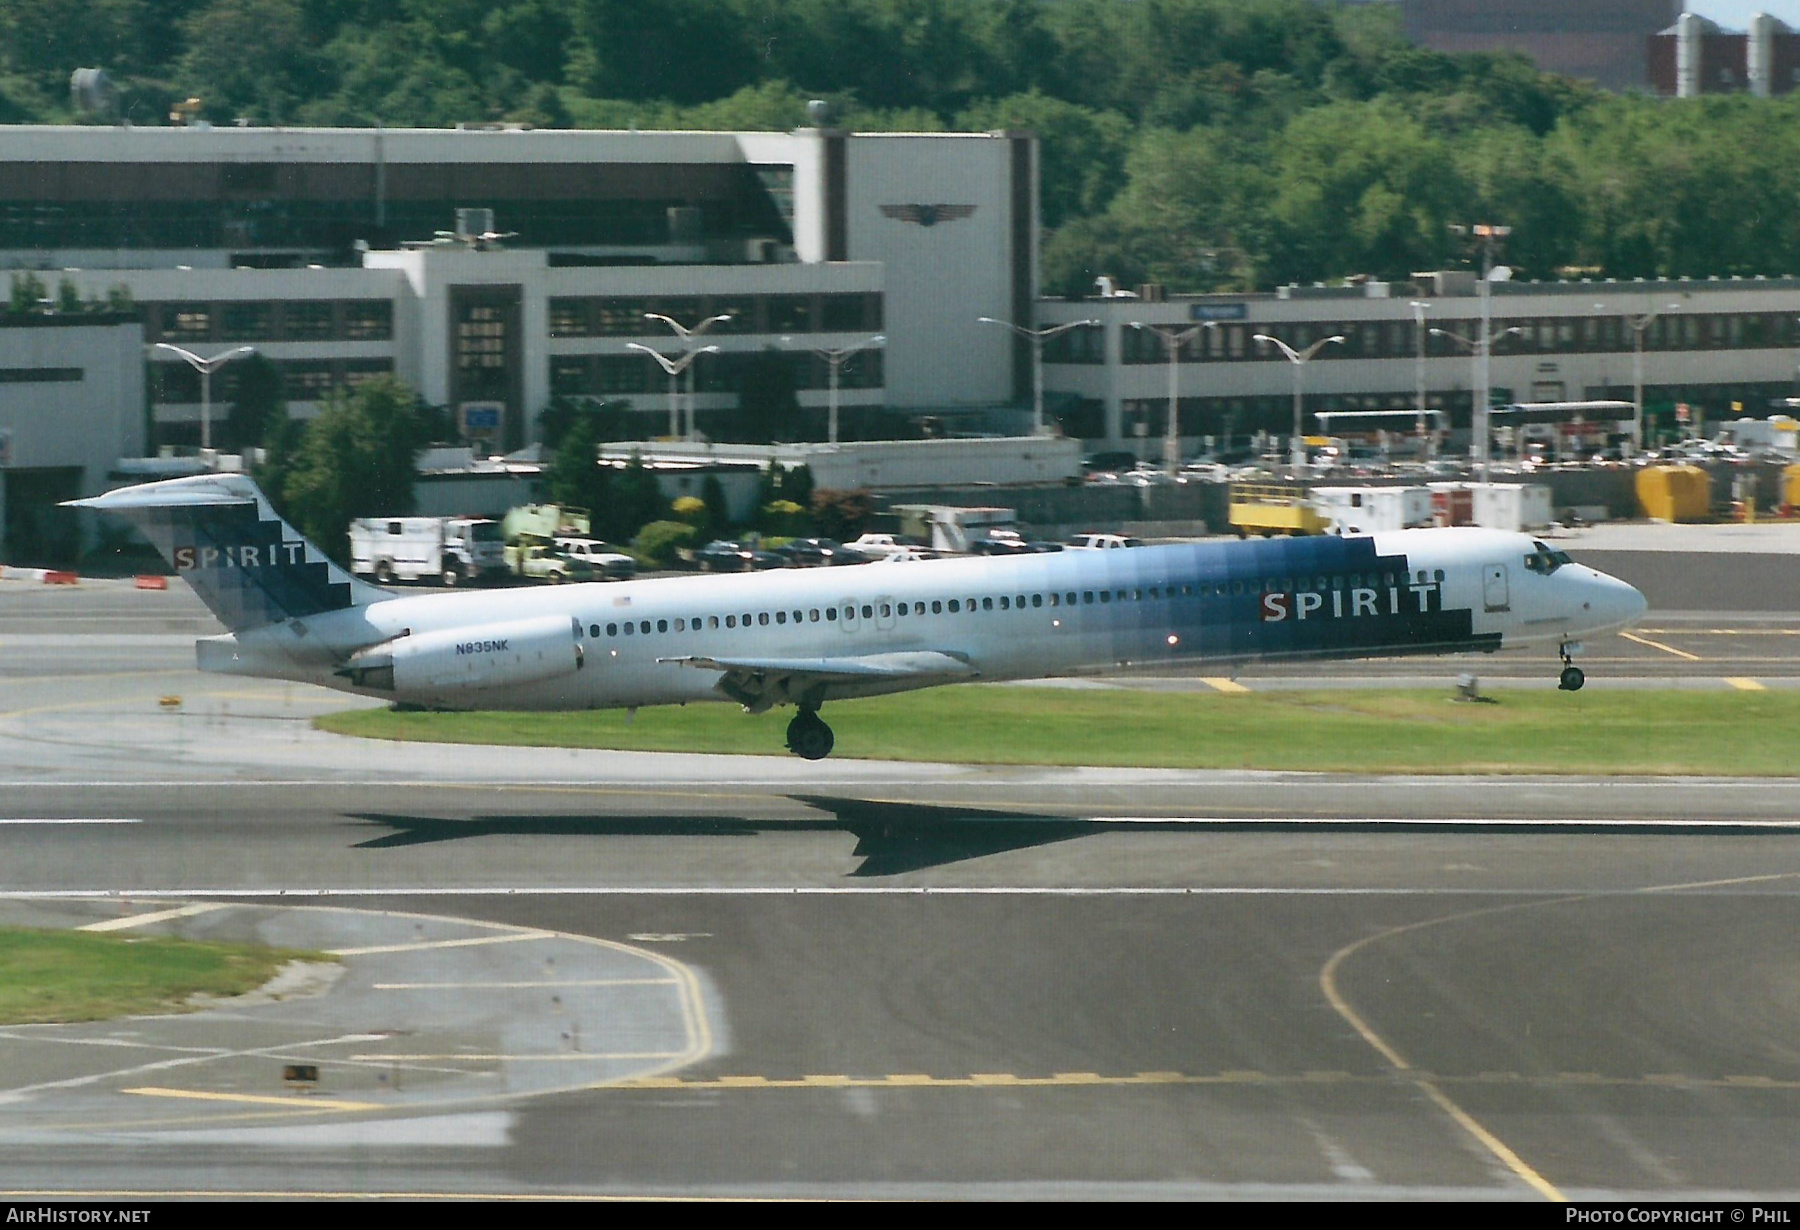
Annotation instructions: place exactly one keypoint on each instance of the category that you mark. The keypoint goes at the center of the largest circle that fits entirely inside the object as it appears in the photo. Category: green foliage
(256, 404)
(634, 500)
(27, 293)
(575, 478)
(841, 514)
(692, 510)
(354, 460)
(782, 519)
(658, 543)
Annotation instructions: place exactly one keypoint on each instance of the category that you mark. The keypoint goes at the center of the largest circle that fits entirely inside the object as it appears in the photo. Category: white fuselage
(1018, 617)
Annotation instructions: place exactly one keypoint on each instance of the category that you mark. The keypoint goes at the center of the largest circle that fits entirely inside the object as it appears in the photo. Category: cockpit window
(1544, 561)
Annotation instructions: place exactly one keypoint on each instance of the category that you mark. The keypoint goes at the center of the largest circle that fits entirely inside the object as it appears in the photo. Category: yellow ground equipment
(1272, 508)
(1674, 493)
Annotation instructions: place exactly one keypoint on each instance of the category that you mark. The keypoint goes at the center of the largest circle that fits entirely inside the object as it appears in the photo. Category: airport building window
(306, 320)
(187, 321)
(571, 317)
(369, 320)
(40, 375)
(246, 322)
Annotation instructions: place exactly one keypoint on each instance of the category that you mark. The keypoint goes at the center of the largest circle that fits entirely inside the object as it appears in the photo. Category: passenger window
(1005, 603)
(955, 606)
(644, 627)
(681, 625)
(813, 615)
(885, 611)
(1037, 600)
(1440, 576)
(781, 617)
(629, 630)
(1105, 595)
(831, 613)
(1070, 598)
(612, 629)
(987, 604)
(594, 630)
(731, 621)
(662, 625)
(1087, 596)
(937, 606)
(918, 608)
(712, 621)
(868, 611)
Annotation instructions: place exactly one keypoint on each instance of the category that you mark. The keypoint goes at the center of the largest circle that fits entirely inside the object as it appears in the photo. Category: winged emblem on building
(927, 215)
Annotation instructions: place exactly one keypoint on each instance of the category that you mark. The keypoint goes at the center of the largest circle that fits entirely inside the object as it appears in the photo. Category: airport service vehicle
(725, 556)
(449, 550)
(807, 638)
(537, 560)
(607, 562)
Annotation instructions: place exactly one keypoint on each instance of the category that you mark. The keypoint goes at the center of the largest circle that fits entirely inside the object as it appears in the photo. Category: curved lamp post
(206, 367)
(1299, 358)
(1036, 336)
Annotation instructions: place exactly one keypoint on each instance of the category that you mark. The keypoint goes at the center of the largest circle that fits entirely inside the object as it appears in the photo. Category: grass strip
(1665, 731)
(63, 976)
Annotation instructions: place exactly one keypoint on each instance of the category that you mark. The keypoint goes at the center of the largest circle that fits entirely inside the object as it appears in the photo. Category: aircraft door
(848, 618)
(1493, 588)
(884, 614)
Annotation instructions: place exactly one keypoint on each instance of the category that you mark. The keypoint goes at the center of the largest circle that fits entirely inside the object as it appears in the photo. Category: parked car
(608, 562)
(1000, 542)
(817, 553)
(726, 556)
(1101, 542)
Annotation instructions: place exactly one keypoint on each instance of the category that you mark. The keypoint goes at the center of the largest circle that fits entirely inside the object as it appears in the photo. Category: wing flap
(761, 683)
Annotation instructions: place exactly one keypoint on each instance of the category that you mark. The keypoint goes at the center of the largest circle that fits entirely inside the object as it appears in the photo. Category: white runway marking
(144, 920)
(66, 820)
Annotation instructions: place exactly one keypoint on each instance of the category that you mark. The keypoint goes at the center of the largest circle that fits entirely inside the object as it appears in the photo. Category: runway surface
(578, 973)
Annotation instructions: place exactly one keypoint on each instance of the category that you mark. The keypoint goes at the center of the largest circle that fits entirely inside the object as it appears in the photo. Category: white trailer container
(449, 550)
(1511, 506)
(1370, 510)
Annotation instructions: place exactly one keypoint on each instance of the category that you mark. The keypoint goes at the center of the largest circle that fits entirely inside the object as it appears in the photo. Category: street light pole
(206, 367)
(1299, 358)
(1037, 337)
(1419, 307)
(1173, 341)
(674, 367)
(836, 358)
(686, 334)
(1479, 349)
(1638, 325)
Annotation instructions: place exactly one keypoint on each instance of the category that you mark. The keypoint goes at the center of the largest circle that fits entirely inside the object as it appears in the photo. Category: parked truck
(448, 550)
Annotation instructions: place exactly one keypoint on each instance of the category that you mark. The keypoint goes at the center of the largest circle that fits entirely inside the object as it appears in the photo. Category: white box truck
(1373, 510)
(448, 550)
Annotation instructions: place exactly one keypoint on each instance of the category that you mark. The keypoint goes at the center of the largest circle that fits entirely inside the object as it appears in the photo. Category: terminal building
(344, 254)
(1721, 347)
(494, 270)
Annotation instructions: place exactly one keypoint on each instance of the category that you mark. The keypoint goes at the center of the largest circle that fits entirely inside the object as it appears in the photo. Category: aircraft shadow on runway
(890, 837)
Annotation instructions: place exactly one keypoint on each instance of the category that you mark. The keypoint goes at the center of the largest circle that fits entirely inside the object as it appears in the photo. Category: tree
(575, 477)
(255, 403)
(355, 460)
(841, 514)
(636, 499)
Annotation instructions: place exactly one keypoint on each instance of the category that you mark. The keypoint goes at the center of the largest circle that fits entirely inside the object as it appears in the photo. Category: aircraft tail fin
(220, 534)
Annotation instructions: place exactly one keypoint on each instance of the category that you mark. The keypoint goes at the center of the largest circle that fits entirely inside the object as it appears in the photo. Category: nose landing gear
(1572, 677)
(808, 736)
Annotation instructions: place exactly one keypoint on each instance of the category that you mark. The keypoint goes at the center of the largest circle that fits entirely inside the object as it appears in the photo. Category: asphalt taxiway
(585, 973)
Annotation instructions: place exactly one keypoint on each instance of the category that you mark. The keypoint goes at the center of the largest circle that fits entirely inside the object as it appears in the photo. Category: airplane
(805, 638)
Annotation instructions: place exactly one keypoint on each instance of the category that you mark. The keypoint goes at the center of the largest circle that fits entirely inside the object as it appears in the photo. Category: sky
(1735, 14)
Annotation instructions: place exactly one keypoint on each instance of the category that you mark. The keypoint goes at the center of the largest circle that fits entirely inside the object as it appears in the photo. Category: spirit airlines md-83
(804, 638)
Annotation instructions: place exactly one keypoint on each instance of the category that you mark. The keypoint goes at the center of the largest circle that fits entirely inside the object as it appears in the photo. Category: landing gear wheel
(1572, 679)
(808, 737)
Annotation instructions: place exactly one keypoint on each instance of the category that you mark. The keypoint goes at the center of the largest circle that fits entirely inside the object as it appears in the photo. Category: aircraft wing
(761, 683)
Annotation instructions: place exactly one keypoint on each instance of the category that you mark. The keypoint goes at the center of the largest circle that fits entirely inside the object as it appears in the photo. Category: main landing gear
(1572, 678)
(808, 736)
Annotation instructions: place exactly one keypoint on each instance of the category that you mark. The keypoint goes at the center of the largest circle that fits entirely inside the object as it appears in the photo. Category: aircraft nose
(1616, 603)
